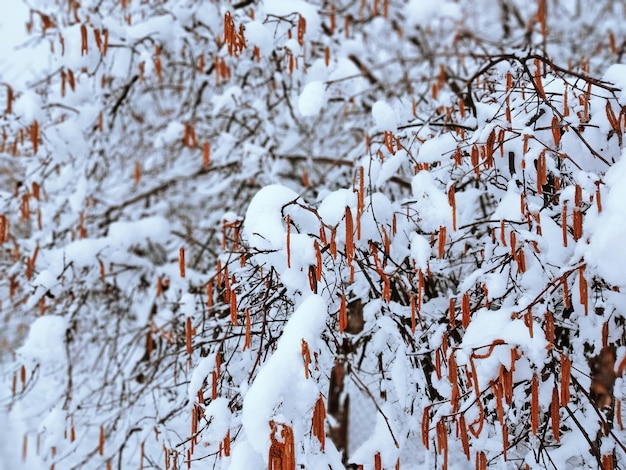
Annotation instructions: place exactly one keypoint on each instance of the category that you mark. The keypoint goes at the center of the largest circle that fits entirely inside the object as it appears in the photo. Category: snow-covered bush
(306, 234)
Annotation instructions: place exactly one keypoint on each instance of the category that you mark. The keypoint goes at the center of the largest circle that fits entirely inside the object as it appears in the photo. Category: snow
(606, 252)
(45, 343)
(53, 427)
(420, 251)
(307, 10)
(258, 35)
(616, 74)
(317, 71)
(226, 99)
(343, 69)
(390, 167)
(431, 203)
(264, 226)
(219, 414)
(291, 144)
(172, 133)
(384, 116)
(28, 105)
(437, 149)
(381, 441)
(333, 207)
(421, 13)
(311, 99)
(16, 71)
(280, 388)
(130, 233)
(487, 326)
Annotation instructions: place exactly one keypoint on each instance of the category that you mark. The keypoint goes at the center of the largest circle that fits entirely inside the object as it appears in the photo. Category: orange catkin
(181, 261)
(246, 344)
(137, 173)
(549, 326)
(566, 367)
(583, 289)
(84, 47)
(34, 136)
(542, 178)
(607, 462)
(465, 310)
(542, 17)
(464, 436)
(343, 314)
(105, 45)
(209, 292)
(319, 417)
(9, 100)
(534, 405)
(442, 241)
(425, 426)
(554, 414)
(206, 155)
(188, 332)
(306, 356)
(3, 228)
(349, 236)
(454, 379)
(452, 203)
(101, 441)
(226, 444)
(577, 216)
(481, 461)
(537, 79)
(233, 306)
(452, 313)
(556, 131)
(318, 261)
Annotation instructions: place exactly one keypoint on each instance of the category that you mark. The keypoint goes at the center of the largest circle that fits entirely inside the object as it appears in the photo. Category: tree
(230, 228)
